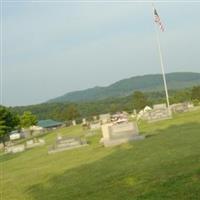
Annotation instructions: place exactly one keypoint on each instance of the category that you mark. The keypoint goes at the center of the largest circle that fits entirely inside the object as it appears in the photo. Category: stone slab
(15, 149)
(115, 134)
(66, 144)
(110, 143)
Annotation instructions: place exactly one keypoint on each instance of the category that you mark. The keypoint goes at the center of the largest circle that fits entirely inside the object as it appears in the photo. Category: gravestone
(26, 132)
(34, 143)
(94, 118)
(37, 130)
(105, 118)
(115, 134)
(84, 121)
(15, 149)
(190, 105)
(15, 136)
(74, 122)
(159, 106)
(67, 143)
(158, 113)
(95, 126)
(29, 142)
(179, 107)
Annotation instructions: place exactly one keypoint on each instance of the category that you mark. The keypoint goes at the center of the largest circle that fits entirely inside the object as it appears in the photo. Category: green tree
(196, 93)
(28, 119)
(8, 121)
(2, 128)
(139, 100)
(195, 102)
(72, 112)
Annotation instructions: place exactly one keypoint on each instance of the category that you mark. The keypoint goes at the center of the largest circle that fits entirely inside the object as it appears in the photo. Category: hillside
(125, 87)
(60, 111)
(166, 165)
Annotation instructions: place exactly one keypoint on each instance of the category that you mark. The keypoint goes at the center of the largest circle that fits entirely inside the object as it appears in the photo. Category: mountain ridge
(124, 87)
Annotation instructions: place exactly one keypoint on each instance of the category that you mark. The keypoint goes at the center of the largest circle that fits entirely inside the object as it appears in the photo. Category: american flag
(157, 20)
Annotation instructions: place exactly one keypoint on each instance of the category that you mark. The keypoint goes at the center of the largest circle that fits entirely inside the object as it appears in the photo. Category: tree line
(69, 110)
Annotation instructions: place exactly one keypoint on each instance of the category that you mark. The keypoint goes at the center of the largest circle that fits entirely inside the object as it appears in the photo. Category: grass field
(166, 165)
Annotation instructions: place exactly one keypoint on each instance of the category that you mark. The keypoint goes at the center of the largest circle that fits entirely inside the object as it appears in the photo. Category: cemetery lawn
(166, 165)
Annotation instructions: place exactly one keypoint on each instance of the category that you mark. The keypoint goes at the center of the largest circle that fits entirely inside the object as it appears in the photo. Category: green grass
(166, 165)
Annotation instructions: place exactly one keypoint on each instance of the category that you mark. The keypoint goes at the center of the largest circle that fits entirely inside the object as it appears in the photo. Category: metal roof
(48, 123)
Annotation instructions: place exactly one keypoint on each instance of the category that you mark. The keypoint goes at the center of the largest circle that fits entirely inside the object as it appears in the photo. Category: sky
(50, 48)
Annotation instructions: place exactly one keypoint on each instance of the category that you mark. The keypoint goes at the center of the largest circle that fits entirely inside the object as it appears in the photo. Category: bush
(195, 102)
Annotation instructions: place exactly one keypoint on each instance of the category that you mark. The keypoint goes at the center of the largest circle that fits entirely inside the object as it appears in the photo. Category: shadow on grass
(9, 156)
(162, 167)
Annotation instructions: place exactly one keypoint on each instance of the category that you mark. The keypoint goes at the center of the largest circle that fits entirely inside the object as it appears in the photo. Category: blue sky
(53, 48)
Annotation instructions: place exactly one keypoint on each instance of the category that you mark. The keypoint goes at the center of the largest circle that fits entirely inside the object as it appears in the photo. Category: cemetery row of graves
(116, 129)
(118, 156)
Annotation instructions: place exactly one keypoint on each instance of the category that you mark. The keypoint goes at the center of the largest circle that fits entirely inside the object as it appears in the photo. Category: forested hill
(125, 87)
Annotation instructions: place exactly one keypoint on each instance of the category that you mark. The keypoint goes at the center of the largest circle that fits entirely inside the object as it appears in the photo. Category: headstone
(120, 118)
(84, 121)
(29, 142)
(9, 143)
(67, 144)
(95, 126)
(94, 118)
(158, 113)
(36, 130)
(74, 122)
(105, 118)
(160, 106)
(15, 136)
(41, 141)
(34, 143)
(190, 105)
(26, 133)
(147, 109)
(115, 134)
(59, 137)
(15, 149)
(179, 107)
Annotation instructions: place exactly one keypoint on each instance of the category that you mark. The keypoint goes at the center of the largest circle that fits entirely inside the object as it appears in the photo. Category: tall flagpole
(161, 61)
(1, 53)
